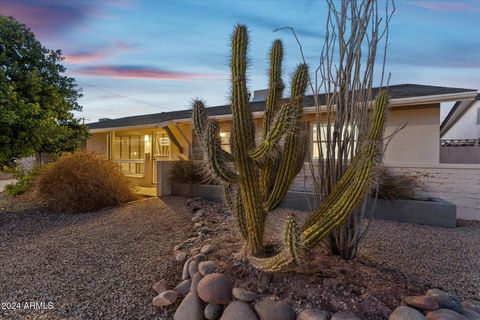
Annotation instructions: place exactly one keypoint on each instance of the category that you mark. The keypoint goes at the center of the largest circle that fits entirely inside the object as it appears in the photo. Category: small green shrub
(190, 172)
(25, 180)
(392, 186)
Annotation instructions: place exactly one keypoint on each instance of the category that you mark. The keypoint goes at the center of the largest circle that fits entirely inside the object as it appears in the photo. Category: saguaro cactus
(261, 174)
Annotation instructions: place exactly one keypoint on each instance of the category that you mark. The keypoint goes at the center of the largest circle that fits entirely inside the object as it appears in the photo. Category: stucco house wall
(419, 141)
(98, 143)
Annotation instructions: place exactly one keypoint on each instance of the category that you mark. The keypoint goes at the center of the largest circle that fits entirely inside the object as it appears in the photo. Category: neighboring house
(460, 133)
(141, 145)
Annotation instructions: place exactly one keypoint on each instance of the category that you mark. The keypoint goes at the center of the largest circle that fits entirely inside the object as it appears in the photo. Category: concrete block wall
(456, 183)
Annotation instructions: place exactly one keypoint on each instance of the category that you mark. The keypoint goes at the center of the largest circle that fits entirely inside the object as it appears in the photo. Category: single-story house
(460, 133)
(142, 144)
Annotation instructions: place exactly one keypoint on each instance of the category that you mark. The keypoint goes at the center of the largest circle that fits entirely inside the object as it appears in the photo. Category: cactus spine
(263, 173)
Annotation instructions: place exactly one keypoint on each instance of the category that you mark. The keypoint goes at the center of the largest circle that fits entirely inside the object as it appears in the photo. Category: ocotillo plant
(263, 173)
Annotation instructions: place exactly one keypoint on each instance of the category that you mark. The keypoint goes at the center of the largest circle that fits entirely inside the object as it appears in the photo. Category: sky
(138, 57)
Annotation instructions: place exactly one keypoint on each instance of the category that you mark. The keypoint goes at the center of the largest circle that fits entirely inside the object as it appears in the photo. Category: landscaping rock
(426, 303)
(192, 268)
(471, 315)
(313, 314)
(196, 219)
(445, 314)
(270, 309)
(342, 315)
(238, 310)
(189, 201)
(198, 225)
(195, 281)
(446, 300)
(197, 198)
(472, 306)
(205, 230)
(206, 249)
(244, 295)
(183, 287)
(200, 257)
(165, 298)
(191, 308)
(181, 257)
(406, 313)
(207, 267)
(200, 213)
(215, 288)
(185, 273)
(190, 240)
(160, 286)
(213, 311)
(177, 247)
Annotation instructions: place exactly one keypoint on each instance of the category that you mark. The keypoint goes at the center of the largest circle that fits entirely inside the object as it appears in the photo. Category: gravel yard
(441, 258)
(91, 266)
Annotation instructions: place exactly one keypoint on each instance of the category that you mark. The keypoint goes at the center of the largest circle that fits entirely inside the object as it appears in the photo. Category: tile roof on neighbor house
(396, 92)
(452, 112)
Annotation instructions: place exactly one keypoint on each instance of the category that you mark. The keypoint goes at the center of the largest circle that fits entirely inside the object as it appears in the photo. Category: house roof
(401, 91)
(452, 111)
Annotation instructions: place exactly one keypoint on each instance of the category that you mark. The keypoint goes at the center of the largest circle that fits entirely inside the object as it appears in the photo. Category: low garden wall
(456, 183)
(433, 212)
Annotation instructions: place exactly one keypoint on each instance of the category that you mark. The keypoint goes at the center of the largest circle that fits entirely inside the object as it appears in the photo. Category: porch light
(223, 134)
(147, 138)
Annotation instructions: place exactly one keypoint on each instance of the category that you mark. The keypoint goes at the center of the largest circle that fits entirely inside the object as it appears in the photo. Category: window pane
(321, 136)
(225, 141)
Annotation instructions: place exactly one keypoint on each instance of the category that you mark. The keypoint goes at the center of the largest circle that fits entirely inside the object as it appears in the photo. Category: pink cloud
(49, 17)
(139, 72)
(75, 58)
(118, 48)
(445, 5)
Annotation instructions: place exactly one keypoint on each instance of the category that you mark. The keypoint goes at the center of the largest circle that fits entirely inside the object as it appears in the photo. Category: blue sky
(136, 57)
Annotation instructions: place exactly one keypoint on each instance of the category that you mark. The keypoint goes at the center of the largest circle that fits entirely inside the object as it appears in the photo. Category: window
(478, 116)
(129, 153)
(322, 134)
(225, 141)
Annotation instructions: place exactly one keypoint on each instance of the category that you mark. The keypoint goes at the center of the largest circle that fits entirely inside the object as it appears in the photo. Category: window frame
(139, 163)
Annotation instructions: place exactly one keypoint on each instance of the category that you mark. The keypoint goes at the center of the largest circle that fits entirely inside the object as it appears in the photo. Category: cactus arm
(275, 85)
(234, 202)
(294, 149)
(381, 105)
(277, 130)
(243, 140)
(200, 120)
(215, 158)
(267, 174)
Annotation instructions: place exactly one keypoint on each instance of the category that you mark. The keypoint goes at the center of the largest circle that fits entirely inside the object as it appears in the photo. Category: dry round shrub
(82, 182)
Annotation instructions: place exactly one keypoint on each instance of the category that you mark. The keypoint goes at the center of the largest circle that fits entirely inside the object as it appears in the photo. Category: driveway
(97, 265)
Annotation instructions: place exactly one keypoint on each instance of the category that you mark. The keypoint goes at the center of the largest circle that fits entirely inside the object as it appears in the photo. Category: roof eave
(418, 100)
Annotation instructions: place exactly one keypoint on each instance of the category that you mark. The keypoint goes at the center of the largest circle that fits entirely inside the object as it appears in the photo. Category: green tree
(37, 101)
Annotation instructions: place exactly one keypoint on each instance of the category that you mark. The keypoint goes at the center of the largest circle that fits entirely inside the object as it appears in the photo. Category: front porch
(138, 150)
